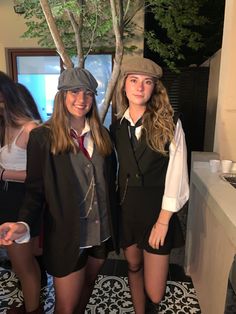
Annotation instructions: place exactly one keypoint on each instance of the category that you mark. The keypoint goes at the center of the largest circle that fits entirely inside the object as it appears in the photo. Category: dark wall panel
(188, 95)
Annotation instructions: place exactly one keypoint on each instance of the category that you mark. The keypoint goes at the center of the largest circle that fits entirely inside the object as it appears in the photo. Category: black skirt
(139, 213)
(11, 198)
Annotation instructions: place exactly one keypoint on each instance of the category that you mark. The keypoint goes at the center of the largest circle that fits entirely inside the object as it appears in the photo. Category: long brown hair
(158, 125)
(59, 124)
(17, 109)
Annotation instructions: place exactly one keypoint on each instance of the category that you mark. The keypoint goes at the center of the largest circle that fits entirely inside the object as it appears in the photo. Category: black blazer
(52, 184)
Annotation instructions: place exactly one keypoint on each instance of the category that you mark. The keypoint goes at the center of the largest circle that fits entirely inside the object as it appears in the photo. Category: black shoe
(5, 263)
(44, 279)
(151, 308)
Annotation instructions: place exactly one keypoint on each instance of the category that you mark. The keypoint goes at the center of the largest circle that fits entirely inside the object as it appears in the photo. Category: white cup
(226, 165)
(233, 167)
(214, 165)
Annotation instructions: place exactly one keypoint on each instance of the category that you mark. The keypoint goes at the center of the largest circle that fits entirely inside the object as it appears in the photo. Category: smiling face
(78, 103)
(139, 89)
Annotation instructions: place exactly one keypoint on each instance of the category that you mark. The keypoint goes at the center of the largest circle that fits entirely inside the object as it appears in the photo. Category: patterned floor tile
(111, 295)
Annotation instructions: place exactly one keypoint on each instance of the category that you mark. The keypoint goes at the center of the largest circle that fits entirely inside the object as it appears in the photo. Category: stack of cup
(226, 165)
(214, 165)
(233, 167)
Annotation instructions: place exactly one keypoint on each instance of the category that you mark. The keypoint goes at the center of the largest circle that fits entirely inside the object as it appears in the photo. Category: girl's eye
(89, 94)
(73, 92)
(149, 82)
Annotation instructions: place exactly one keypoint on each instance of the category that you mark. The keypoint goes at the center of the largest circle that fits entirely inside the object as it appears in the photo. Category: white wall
(225, 131)
(11, 28)
(212, 98)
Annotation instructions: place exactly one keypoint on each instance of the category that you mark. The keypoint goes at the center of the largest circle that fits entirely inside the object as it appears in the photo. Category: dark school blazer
(52, 184)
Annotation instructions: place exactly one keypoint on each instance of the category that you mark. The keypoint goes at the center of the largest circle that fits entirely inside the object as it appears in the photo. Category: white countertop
(219, 195)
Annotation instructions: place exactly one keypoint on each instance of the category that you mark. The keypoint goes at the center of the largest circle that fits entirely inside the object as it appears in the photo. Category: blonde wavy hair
(158, 124)
(59, 124)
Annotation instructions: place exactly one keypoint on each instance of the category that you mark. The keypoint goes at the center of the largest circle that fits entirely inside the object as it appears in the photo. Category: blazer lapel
(123, 137)
(125, 143)
(142, 146)
(63, 162)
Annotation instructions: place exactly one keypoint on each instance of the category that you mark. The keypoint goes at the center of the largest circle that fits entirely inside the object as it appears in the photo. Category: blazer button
(137, 175)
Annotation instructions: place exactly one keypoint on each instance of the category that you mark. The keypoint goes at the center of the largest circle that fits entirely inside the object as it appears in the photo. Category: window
(39, 69)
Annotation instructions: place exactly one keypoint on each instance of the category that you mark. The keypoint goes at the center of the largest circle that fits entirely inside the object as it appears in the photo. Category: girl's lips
(79, 107)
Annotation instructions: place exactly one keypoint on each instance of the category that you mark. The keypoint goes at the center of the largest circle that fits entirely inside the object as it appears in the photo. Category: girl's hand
(9, 232)
(158, 234)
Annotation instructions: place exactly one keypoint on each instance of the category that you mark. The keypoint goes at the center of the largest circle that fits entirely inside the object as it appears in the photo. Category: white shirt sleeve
(176, 191)
(26, 237)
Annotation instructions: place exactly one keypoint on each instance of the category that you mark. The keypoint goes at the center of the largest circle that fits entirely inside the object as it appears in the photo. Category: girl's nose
(140, 86)
(81, 96)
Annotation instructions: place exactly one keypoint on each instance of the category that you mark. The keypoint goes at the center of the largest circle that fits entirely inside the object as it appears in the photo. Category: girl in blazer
(71, 172)
(153, 179)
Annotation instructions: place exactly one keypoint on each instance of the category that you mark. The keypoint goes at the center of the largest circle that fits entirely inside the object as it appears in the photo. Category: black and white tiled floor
(111, 294)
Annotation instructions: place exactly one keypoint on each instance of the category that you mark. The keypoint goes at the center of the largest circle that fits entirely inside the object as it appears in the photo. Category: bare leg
(134, 258)
(38, 253)
(68, 292)
(155, 275)
(27, 270)
(93, 267)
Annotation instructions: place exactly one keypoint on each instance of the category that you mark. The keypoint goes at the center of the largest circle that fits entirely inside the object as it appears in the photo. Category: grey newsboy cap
(77, 78)
(141, 65)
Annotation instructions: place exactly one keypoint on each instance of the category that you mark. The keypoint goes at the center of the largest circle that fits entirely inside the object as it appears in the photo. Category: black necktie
(133, 138)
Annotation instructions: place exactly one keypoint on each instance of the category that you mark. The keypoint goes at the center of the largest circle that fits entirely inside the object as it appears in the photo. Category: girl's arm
(12, 231)
(176, 187)
(34, 200)
(13, 175)
(176, 191)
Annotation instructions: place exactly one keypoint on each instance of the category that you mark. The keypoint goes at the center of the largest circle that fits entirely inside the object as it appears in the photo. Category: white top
(13, 157)
(176, 191)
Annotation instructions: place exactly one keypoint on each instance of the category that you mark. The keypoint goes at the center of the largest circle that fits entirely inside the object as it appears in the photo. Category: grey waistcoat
(94, 225)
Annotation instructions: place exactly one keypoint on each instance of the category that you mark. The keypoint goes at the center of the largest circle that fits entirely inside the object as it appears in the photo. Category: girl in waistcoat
(71, 170)
(153, 179)
(17, 118)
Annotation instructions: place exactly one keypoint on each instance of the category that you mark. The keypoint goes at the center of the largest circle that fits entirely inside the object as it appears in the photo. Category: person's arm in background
(31, 209)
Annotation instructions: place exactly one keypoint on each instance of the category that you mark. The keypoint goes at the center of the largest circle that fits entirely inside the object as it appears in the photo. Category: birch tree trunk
(77, 28)
(118, 15)
(55, 34)
(117, 20)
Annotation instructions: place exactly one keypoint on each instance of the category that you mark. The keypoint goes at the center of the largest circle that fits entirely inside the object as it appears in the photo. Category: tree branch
(93, 33)
(138, 7)
(79, 45)
(118, 56)
(55, 34)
